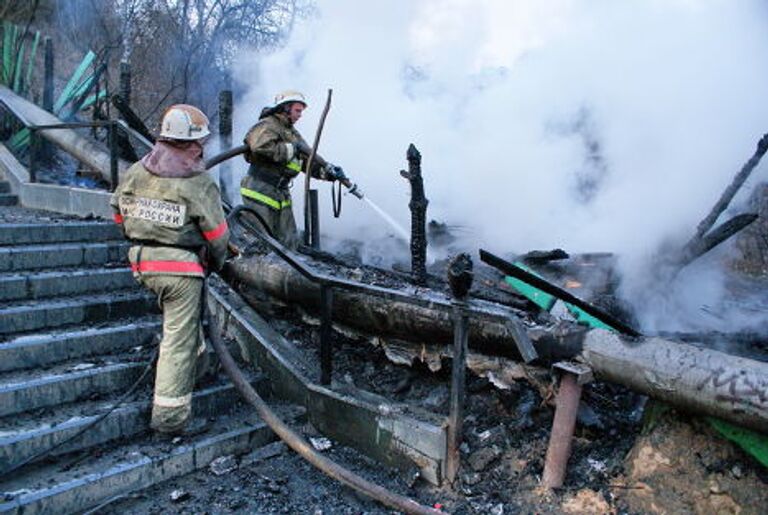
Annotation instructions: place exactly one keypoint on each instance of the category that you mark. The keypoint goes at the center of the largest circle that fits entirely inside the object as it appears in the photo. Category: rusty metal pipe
(563, 426)
(301, 446)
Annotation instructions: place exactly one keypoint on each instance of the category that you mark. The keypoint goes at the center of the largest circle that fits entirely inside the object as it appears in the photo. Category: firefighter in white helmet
(170, 209)
(277, 154)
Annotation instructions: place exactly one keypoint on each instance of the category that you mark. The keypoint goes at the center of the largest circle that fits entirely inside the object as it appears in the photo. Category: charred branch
(418, 207)
(697, 247)
(726, 197)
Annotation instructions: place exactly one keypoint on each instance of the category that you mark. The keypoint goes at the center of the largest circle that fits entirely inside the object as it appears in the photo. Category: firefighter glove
(335, 173)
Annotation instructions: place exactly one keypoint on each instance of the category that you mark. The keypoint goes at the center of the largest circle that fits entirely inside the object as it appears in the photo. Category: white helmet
(184, 122)
(285, 97)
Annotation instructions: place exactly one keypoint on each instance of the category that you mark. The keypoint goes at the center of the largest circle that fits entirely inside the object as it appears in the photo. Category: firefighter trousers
(180, 298)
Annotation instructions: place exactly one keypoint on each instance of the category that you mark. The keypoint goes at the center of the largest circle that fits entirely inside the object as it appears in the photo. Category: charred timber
(701, 380)
(131, 118)
(418, 207)
(411, 314)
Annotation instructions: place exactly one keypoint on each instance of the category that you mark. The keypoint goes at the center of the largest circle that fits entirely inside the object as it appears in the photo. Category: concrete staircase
(76, 333)
(6, 197)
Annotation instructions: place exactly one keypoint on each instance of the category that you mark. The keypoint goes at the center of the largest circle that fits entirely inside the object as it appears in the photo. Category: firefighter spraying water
(277, 153)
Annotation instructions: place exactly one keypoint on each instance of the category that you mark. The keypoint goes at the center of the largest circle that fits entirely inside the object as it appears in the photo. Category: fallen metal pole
(301, 446)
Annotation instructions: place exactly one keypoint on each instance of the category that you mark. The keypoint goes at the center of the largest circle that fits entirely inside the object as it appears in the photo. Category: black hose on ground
(301, 446)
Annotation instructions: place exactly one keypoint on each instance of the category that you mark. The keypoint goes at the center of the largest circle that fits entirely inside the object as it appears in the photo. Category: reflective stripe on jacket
(265, 199)
(171, 220)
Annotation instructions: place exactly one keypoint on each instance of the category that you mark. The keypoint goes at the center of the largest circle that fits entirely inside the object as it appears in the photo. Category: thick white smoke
(585, 125)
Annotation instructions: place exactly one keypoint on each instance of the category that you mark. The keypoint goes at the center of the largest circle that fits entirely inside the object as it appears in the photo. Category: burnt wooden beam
(131, 118)
(418, 207)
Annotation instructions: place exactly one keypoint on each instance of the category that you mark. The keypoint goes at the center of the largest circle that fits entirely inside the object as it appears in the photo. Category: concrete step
(36, 285)
(50, 314)
(58, 232)
(24, 437)
(7, 199)
(5, 187)
(45, 349)
(30, 390)
(36, 257)
(110, 472)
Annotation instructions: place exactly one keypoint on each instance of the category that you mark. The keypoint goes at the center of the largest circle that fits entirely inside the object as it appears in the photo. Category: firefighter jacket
(176, 224)
(275, 158)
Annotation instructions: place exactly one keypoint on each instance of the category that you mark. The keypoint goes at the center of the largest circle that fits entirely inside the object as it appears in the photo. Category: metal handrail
(328, 282)
(111, 125)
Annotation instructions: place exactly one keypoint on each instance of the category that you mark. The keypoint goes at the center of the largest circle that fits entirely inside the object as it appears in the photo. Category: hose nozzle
(355, 190)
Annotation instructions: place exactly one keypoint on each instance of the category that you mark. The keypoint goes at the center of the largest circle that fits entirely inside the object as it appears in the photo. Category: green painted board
(752, 442)
(542, 299)
(92, 98)
(546, 301)
(585, 318)
(17, 75)
(66, 94)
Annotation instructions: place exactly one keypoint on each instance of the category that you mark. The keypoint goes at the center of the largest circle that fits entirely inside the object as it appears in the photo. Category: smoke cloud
(589, 126)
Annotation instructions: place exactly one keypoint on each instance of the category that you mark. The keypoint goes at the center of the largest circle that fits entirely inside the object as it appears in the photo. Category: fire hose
(299, 444)
(353, 188)
(281, 429)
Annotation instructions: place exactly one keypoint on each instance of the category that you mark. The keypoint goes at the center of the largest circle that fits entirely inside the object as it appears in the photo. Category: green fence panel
(66, 94)
(17, 75)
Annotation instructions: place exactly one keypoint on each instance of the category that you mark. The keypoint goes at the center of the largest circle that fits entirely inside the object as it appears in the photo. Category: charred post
(460, 280)
(48, 76)
(125, 82)
(46, 151)
(418, 206)
(225, 138)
